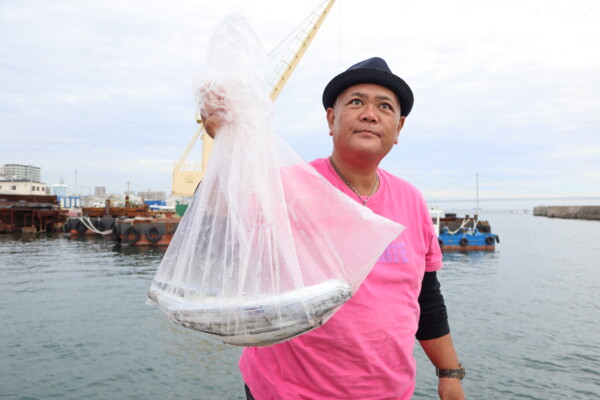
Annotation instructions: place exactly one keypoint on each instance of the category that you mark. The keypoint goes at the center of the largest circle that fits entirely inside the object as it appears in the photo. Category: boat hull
(145, 231)
(463, 234)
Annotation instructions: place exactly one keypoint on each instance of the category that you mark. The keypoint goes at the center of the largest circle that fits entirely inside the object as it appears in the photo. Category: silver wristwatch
(451, 373)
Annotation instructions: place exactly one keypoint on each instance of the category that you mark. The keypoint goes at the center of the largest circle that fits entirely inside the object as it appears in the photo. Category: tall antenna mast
(476, 194)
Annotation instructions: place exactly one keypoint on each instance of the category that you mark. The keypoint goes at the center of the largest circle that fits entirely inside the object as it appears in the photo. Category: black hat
(374, 70)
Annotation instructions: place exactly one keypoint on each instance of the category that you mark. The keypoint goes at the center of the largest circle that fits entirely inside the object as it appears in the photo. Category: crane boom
(314, 22)
(185, 180)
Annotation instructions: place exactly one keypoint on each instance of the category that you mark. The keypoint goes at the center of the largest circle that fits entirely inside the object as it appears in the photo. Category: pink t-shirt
(365, 350)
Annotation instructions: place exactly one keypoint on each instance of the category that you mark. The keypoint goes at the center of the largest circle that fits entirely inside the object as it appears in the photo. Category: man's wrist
(458, 373)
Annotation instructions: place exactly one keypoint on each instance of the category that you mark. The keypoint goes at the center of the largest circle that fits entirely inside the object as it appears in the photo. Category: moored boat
(142, 231)
(463, 233)
(30, 213)
(101, 220)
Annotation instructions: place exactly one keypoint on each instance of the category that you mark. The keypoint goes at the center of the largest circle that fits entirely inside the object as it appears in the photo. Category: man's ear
(400, 126)
(330, 119)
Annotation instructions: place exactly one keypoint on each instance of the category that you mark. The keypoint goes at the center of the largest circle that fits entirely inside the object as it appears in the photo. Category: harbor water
(75, 324)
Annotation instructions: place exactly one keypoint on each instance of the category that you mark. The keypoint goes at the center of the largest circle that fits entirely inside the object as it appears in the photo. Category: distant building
(153, 195)
(21, 172)
(60, 190)
(23, 186)
(100, 191)
(93, 202)
(69, 201)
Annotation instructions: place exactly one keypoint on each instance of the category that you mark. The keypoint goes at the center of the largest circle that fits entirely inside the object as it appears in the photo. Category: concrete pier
(568, 212)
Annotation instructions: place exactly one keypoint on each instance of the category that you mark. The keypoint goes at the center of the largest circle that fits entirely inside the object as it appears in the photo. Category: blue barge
(463, 234)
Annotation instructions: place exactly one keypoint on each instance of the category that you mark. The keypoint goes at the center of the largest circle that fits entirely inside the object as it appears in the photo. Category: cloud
(509, 89)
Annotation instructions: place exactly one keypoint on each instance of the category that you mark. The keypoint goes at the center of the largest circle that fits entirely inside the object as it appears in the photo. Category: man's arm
(434, 336)
(442, 354)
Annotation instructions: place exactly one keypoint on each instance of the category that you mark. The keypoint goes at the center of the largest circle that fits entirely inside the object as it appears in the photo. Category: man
(365, 350)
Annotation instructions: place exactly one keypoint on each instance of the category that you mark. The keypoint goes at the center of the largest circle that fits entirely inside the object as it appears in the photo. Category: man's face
(365, 121)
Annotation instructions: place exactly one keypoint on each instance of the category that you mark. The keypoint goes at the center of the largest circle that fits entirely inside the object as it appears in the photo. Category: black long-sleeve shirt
(433, 321)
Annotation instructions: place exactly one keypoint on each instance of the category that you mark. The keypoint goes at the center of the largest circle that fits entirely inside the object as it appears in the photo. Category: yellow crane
(186, 176)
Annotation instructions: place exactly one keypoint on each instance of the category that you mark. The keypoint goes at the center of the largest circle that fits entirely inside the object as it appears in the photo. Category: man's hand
(450, 389)
(212, 124)
(212, 110)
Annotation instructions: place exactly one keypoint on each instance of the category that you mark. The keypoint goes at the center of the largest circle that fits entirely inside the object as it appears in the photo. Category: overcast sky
(507, 89)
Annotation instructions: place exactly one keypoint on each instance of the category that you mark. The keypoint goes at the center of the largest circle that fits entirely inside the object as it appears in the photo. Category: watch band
(451, 373)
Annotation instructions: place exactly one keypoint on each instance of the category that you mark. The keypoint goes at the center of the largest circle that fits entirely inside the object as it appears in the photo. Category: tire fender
(131, 235)
(153, 234)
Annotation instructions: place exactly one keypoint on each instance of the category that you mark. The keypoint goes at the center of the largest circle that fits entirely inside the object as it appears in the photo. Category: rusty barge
(133, 225)
(30, 213)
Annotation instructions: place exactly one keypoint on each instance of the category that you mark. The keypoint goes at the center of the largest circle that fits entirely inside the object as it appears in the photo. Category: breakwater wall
(568, 212)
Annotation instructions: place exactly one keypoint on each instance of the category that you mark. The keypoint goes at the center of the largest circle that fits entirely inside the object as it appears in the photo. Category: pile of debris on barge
(463, 234)
(30, 213)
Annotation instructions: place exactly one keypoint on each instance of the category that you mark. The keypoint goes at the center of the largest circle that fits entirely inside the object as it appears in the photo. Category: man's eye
(386, 106)
(356, 102)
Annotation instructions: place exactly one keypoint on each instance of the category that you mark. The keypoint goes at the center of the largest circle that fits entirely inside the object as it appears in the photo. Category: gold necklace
(364, 199)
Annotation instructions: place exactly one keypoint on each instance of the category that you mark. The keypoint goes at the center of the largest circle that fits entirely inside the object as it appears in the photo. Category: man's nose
(368, 114)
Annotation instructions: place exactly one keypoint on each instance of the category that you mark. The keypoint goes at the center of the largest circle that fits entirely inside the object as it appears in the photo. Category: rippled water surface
(525, 320)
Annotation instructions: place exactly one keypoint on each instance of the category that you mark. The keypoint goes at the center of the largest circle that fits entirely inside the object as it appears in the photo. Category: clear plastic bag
(268, 249)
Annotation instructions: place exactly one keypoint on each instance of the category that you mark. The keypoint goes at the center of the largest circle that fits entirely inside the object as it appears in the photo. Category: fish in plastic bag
(268, 249)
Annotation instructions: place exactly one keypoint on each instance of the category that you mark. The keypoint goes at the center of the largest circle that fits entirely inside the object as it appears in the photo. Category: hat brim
(369, 75)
